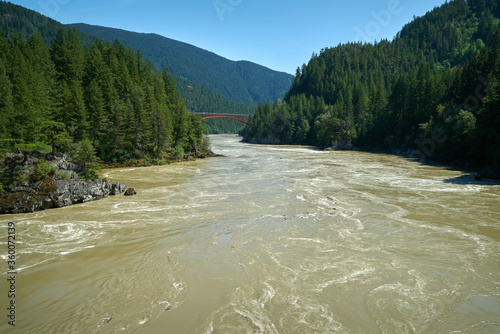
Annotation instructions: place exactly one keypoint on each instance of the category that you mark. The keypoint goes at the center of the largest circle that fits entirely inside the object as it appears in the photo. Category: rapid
(268, 239)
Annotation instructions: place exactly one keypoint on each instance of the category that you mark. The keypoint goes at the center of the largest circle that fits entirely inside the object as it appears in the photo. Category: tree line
(434, 88)
(106, 99)
(182, 59)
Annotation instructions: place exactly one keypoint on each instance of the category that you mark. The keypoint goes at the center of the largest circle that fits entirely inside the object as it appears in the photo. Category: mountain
(14, 18)
(207, 82)
(433, 90)
(239, 81)
(103, 103)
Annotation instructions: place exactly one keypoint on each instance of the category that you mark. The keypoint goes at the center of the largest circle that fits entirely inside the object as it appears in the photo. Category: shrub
(91, 173)
(43, 169)
(62, 175)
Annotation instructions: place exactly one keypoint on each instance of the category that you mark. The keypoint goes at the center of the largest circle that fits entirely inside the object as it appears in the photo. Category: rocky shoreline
(35, 181)
(39, 181)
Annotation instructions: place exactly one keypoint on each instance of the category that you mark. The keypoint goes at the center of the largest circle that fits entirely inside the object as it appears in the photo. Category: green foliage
(435, 83)
(240, 81)
(106, 102)
(177, 153)
(56, 135)
(7, 145)
(42, 170)
(158, 161)
(85, 156)
(486, 137)
(62, 175)
(13, 177)
(26, 148)
(19, 176)
(90, 173)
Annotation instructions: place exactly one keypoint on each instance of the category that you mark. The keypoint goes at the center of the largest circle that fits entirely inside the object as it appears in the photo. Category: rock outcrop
(57, 185)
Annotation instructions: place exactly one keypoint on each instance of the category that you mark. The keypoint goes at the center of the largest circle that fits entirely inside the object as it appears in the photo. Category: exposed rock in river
(130, 192)
(45, 181)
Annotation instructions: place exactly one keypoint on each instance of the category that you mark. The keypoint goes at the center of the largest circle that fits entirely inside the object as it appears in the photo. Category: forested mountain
(14, 18)
(434, 88)
(207, 82)
(239, 81)
(105, 102)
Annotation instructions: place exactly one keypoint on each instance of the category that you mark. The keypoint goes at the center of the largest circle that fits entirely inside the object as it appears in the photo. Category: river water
(268, 239)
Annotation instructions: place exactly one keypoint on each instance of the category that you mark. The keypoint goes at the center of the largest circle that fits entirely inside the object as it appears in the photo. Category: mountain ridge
(228, 86)
(433, 91)
(240, 81)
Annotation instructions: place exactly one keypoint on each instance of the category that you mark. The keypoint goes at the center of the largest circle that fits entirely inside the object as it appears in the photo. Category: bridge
(243, 118)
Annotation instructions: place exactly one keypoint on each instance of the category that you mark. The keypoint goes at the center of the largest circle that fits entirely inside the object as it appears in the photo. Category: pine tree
(68, 57)
(6, 103)
(108, 100)
(85, 156)
(25, 118)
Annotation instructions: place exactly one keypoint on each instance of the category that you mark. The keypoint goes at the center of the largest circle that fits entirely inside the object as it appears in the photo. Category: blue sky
(281, 35)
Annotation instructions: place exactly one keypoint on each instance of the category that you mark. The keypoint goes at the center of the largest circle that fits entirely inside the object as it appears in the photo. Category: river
(268, 239)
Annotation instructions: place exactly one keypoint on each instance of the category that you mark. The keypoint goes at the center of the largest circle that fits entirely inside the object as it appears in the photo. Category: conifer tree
(6, 103)
(106, 101)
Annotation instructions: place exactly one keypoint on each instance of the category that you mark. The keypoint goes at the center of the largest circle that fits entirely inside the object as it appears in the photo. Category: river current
(268, 239)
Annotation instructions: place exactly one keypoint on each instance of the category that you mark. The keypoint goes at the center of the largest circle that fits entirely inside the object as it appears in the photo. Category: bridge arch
(243, 118)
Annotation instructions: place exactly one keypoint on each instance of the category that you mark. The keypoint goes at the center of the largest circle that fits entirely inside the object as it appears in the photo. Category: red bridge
(243, 118)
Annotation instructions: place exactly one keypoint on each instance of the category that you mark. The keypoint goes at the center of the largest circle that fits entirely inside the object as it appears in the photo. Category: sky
(278, 34)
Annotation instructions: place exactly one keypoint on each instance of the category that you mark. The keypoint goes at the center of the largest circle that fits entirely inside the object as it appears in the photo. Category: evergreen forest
(433, 90)
(207, 82)
(101, 102)
(240, 81)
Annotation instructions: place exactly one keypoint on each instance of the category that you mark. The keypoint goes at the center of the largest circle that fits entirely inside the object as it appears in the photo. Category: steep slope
(240, 81)
(25, 21)
(103, 103)
(433, 89)
(220, 85)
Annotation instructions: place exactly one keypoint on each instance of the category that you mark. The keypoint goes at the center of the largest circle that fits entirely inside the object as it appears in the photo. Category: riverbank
(478, 170)
(35, 181)
(166, 160)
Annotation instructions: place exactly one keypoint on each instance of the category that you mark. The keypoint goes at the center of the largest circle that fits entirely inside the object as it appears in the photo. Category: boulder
(130, 192)
(116, 188)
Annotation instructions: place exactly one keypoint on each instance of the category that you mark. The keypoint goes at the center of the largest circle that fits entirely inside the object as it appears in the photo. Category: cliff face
(36, 181)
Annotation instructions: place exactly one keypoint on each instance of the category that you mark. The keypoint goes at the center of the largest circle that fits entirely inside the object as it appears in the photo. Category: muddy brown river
(268, 239)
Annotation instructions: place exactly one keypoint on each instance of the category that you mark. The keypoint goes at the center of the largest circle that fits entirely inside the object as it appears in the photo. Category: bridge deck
(239, 117)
